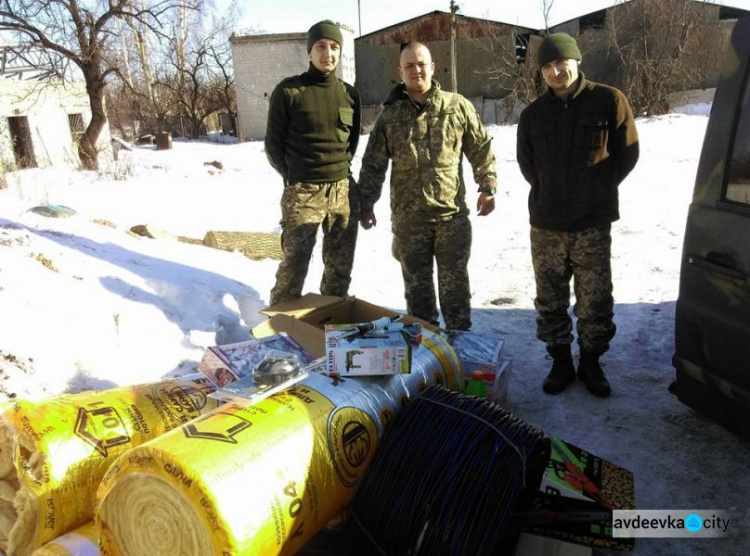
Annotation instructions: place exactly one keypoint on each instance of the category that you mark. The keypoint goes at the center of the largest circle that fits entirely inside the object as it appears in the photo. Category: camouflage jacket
(575, 153)
(426, 145)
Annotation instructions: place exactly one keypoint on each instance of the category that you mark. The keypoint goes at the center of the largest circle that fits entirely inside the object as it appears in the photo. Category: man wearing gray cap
(575, 144)
(311, 137)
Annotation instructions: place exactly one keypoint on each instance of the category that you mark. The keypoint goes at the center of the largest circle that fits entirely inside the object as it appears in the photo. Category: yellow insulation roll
(79, 542)
(260, 479)
(54, 453)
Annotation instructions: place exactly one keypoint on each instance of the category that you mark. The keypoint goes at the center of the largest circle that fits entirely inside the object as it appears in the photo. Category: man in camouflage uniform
(312, 135)
(425, 132)
(576, 143)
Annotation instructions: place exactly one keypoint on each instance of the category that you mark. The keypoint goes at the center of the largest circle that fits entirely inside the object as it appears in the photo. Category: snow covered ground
(85, 304)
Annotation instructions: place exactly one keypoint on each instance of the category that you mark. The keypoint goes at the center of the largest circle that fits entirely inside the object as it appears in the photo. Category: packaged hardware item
(380, 347)
(231, 362)
(579, 490)
(484, 352)
(277, 371)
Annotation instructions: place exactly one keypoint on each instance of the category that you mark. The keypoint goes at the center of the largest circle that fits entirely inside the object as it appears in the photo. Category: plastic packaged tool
(277, 371)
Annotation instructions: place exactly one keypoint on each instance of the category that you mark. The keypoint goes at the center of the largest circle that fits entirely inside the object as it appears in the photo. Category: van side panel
(712, 325)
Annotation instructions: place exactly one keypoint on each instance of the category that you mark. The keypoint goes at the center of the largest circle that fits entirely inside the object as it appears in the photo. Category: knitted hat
(325, 29)
(557, 46)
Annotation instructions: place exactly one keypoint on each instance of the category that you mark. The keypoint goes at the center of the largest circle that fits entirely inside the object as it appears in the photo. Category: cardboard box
(577, 495)
(355, 355)
(305, 318)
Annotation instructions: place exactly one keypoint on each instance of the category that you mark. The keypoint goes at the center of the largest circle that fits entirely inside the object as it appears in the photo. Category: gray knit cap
(557, 46)
(325, 29)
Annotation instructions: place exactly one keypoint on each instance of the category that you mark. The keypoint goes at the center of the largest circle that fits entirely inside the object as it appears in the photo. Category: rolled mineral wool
(78, 542)
(54, 453)
(259, 479)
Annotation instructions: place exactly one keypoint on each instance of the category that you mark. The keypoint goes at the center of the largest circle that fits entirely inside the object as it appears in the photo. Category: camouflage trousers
(448, 243)
(585, 256)
(305, 207)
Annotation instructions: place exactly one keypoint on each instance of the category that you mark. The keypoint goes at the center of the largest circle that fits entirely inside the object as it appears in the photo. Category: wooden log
(254, 245)
(147, 230)
(191, 240)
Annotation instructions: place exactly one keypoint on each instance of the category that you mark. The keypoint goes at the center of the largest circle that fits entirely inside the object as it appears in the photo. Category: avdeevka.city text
(669, 523)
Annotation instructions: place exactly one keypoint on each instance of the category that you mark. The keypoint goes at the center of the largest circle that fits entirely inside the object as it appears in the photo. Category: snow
(85, 304)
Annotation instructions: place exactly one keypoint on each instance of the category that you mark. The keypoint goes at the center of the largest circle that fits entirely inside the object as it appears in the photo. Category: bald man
(425, 132)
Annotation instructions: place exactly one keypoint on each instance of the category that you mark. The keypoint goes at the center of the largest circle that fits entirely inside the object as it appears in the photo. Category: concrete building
(41, 121)
(262, 61)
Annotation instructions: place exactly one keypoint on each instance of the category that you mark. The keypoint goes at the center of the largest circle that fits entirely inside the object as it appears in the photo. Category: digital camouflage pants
(304, 208)
(585, 256)
(448, 243)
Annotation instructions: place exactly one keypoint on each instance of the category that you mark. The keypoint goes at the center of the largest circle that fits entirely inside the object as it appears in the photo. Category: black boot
(590, 372)
(562, 373)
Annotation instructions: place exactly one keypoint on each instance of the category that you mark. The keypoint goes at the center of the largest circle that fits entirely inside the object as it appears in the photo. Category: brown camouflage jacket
(425, 145)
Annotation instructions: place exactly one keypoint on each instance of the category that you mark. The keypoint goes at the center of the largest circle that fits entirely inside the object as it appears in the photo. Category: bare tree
(657, 43)
(199, 79)
(82, 34)
(512, 64)
(136, 102)
(512, 69)
(144, 96)
(546, 7)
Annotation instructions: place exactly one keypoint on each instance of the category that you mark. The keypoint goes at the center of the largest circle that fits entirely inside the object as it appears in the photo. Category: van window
(738, 185)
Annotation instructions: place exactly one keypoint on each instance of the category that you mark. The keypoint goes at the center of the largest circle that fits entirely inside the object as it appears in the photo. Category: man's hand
(485, 204)
(368, 220)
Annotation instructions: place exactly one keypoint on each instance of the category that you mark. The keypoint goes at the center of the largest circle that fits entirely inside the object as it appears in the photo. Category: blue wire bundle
(453, 475)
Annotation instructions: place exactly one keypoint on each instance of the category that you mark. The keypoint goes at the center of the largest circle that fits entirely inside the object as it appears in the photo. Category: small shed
(41, 121)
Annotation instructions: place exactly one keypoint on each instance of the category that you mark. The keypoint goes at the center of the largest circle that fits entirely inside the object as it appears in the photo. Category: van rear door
(712, 329)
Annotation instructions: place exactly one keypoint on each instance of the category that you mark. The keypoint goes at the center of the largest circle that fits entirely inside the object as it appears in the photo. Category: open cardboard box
(305, 318)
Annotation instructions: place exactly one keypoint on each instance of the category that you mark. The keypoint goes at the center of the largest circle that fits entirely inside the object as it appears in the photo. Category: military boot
(562, 373)
(590, 372)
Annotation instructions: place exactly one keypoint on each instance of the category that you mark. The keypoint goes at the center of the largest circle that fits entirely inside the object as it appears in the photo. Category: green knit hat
(325, 29)
(557, 46)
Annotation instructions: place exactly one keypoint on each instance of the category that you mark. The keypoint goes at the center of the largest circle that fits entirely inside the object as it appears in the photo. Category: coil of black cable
(453, 475)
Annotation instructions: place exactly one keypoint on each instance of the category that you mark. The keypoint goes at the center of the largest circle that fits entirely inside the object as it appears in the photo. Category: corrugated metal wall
(378, 55)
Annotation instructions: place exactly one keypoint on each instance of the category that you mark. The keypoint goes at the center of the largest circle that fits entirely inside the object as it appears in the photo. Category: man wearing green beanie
(311, 137)
(576, 143)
